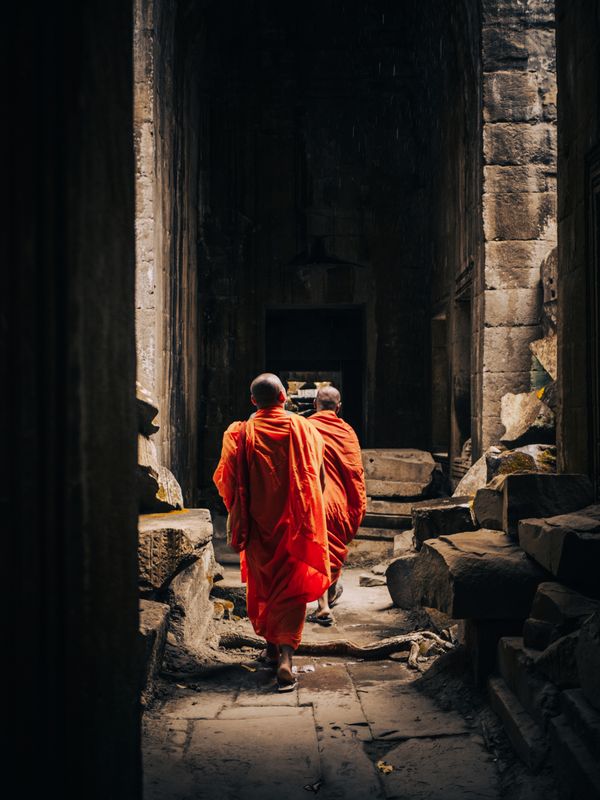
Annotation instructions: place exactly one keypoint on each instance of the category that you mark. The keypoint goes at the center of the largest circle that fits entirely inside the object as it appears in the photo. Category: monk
(345, 493)
(270, 478)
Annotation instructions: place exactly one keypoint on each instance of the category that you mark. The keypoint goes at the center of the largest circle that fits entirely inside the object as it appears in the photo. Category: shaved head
(328, 399)
(267, 390)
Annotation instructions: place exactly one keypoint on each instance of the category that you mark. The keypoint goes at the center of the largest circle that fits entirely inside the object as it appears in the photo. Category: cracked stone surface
(234, 736)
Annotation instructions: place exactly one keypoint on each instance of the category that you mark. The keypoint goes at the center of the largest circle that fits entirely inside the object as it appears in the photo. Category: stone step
(576, 768)
(478, 575)
(556, 611)
(441, 517)
(399, 465)
(510, 498)
(567, 545)
(525, 735)
(517, 667)
(379, 534)
(583, 718)
(392, 508)
(386, 521)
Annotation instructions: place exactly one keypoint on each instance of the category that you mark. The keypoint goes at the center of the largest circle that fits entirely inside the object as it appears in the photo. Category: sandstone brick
(525, 178)
(507, 48)
(512, 307)
(519, 143)
(511, 96)
(520, 216)
(507, 349)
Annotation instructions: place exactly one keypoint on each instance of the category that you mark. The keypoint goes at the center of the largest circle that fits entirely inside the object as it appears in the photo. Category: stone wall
(167, 151)
(578, 46)
(68, 391)
(519, 200)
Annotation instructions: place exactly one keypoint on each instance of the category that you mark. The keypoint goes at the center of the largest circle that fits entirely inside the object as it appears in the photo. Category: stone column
(519, 194)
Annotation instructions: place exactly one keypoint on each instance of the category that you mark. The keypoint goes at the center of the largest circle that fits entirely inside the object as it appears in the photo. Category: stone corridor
(352, 729)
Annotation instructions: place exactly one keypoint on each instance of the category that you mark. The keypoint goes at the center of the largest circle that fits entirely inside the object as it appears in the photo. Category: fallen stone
(518, 667)
(371, 580)
(511, 498)
(556, 611)
(479, 575)
(575, 767)
(147, 411)
(153, 630)
(527, 420)
(188, 596)
(557, 662)
(395, 489)
(159, 492)
(167, 541)
(404, 543)
(400, 465)
(582, 717)
(475, 478)
(587, 656)
(530, 458)
(391, 508)
(526, 737)
(433, 518)
(537, 634)
(400, 581)
(545, 350)
(567, 545)
(366, 549)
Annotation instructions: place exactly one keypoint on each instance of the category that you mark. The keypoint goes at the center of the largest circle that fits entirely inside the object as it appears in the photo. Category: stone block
(511, 96)
(392, 508)
(481, 637)
(147, 411)
(188, 596)
(364, 552)
(545, 350)
(568, 545)
(475, 478)
(519, 143)
(479, 575)
(519, 216)
(395, 489)
(168, 541)
(526, 737)
(575, 767)
(529, 458)
(537, 634)
(527, 420)
(400, 581)
(518, 668)
(488, 505)
(583, 718)
(557, 662)
(399, 465)
(525, 178)
(587, 656)
(433, 518)
(153, 630)
(159, 491)
(404, 543)
(562, 607)
(508, 307)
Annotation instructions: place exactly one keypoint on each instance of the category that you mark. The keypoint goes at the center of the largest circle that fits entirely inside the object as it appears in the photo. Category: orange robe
(345, 493)
(277, 518)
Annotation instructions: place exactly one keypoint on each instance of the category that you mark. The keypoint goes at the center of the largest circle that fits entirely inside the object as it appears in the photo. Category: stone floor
(352, 729)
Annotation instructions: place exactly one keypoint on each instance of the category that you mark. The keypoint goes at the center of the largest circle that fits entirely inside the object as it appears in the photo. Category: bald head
(267, 390)
(328, 399)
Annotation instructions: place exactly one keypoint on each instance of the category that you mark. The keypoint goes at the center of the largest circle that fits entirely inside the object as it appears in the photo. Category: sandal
(286, 680)
(326, 620)
(264, 658)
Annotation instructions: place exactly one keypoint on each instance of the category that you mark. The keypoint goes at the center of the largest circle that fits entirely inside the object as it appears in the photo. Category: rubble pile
(176, 562)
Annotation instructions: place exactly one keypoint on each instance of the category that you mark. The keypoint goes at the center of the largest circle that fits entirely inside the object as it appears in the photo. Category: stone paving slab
(434, 769)
(332, 694)
(200, 705)
(269, 757)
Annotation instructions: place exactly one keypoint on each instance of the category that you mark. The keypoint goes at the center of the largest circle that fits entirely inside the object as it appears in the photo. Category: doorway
(325, 341)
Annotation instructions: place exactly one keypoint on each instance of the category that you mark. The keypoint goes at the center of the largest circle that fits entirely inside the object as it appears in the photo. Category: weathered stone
(480, 638)
(433, 518)
(167, 541)
(147, 411)
(404, 542)
(400, 581)
(545, 350)
(518, 216)
(557, 662)
(475, 478)
(583, 718)
(527, 419)
(388, 508)
(528, 494)
(520, 143)
(588, 659)
(537, 634)
(400, 465)
(371, 580)
(153, 630)
(479, 575)
(188, 596)
(525, 735)
(549, 394)
(370, 546)
(529, 458)
(549, 276)
(231, 588)
(518, 668)
(395, 489)
(568, 545)
(159, 491)
(574, 765)
(562, 607)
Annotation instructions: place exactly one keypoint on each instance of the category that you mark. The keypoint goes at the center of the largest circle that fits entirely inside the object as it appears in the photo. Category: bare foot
(285, 676)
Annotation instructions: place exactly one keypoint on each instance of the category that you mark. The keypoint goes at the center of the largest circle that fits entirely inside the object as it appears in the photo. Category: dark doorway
(323, 340)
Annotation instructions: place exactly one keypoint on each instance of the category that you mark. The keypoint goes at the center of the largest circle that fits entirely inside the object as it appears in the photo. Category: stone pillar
(519, 194)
